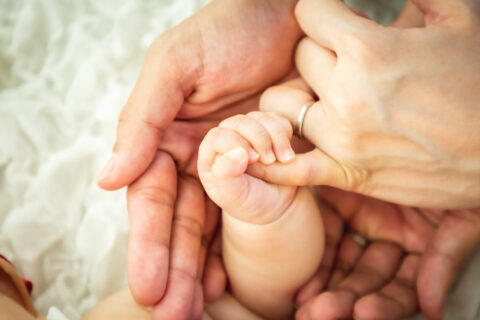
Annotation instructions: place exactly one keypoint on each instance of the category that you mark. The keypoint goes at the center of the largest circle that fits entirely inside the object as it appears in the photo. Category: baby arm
(273, 235)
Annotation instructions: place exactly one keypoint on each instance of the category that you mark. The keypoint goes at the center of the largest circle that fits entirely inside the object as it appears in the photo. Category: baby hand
(224, 155)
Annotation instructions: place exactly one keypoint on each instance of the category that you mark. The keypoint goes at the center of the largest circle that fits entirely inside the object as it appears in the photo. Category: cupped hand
(398, 114)
(173, 224)
(225, 53)
(413, 257)
(199, 71)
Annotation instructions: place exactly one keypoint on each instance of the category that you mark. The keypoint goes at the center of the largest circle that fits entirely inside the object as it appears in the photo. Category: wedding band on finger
(360, 240)
(301, 118)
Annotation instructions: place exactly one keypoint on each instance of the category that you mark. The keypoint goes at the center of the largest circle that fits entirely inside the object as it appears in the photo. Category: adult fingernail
(107, 169)
(237, 154)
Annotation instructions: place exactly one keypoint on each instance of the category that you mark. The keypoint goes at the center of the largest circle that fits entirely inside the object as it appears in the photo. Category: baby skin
(273, 237)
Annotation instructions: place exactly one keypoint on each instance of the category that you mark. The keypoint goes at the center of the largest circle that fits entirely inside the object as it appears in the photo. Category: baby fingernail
(237, 154)
(288, 155)
(253, 155)
(270, 157)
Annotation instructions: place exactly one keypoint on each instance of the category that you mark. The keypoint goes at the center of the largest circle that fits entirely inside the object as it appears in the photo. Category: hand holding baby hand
(386, 154)
(225, 154)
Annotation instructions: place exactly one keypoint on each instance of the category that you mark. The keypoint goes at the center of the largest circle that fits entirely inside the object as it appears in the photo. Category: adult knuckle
(188, 224)
(161, 45)
(357, 46)
(354, 177)
(127, 113)
(158, 195)
(349, 145)
(364, 48)
(130, 116)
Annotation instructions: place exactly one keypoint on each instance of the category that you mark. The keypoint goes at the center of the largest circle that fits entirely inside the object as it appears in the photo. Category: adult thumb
(151, 108)
(311, 168)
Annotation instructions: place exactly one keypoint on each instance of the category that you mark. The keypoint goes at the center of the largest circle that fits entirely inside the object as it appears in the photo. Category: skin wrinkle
(167, 43)
(369, 272)
(369, 137)
(267, 219)
(188, 224)
(236, 52)
(166, 201)
(405, 281)
(198, 68)
(127, 119)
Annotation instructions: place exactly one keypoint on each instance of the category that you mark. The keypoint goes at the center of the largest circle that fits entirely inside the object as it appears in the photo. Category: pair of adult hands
(214, 65)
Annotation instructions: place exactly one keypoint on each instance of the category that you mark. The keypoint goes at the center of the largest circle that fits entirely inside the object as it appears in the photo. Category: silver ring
(301, 118)
(360, 240)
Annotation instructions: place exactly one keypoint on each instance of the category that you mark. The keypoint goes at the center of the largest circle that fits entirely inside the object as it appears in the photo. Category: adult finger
(311, 168)
(376, 267)
(198, 302)
(150, 109)
(215, 278)
(349, 252)
(288, 101)
(316, 65)
(210, 227)
(452, 245)
(179, 298)
(210, 274)
(289, 95)
(396, 300)
(328, 305)
(150, 205)
(329, 21)
(380, 220)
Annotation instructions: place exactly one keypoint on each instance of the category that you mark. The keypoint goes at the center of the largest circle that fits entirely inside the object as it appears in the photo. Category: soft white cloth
(66, 68)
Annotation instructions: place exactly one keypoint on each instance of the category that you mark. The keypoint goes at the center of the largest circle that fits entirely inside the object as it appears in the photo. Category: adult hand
(413, 258)
(398, 117)
(220, 57)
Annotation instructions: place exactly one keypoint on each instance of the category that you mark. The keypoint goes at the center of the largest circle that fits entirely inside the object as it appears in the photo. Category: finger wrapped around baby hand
(228, 150)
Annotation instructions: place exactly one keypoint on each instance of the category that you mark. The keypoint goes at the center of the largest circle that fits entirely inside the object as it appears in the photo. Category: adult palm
(199, 71)
(413, 258)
